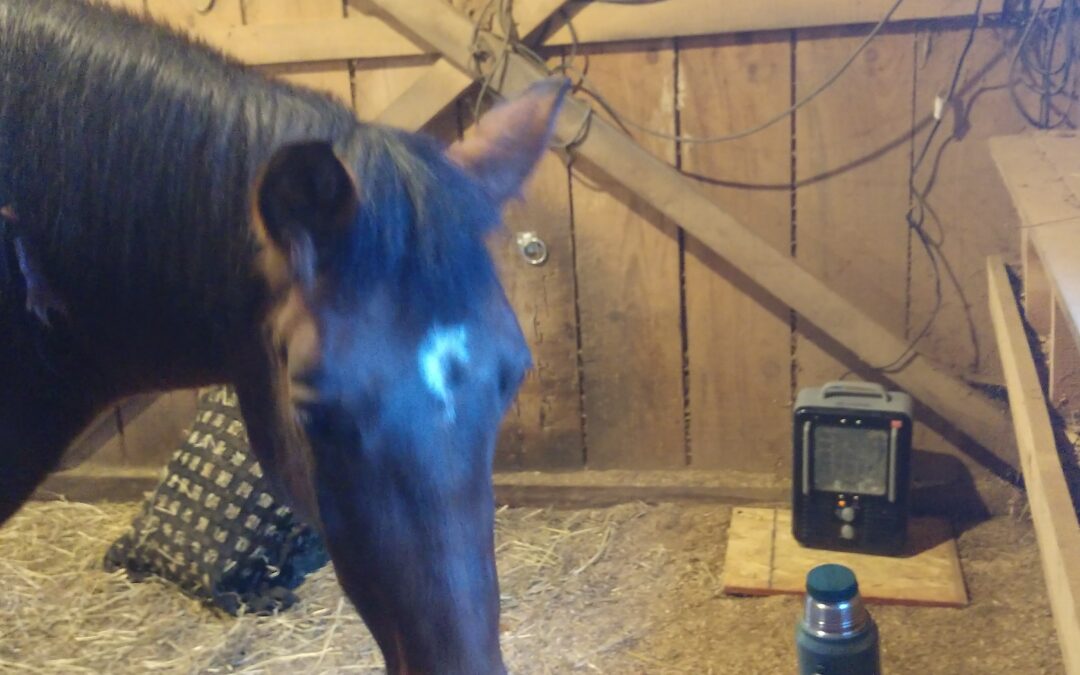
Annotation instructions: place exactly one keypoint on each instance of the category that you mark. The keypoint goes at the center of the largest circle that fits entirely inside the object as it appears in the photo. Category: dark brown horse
(181, 220)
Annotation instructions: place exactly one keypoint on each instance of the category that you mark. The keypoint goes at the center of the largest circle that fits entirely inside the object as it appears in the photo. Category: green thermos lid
(831, 584)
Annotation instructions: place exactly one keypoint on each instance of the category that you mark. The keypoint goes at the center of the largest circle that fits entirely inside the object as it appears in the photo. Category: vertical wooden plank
(1038, 296)
(969, 210)
(332, 76)
(543, 429)
(852, 153)
(1064, 366)
(969, 214)
(738, 337)
(628, 283)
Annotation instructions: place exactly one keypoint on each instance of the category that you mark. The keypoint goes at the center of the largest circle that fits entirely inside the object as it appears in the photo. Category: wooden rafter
(613, 153)
(362, 37)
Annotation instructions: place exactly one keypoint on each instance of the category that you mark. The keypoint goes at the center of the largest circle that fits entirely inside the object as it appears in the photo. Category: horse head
(401, 355)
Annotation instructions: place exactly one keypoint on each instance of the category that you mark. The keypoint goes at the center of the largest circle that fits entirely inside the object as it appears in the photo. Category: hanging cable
(1043, 65)
(582, 83)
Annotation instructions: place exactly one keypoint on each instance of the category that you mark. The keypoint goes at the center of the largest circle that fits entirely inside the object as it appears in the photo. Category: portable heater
(852, 464)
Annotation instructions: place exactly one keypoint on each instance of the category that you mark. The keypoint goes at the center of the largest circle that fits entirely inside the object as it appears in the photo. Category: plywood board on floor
(763, 558)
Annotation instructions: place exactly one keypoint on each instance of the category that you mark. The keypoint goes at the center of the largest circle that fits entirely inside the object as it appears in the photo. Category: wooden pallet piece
(763, 558)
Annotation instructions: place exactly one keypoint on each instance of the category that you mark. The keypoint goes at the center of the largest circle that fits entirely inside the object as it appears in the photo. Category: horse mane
(120, 221)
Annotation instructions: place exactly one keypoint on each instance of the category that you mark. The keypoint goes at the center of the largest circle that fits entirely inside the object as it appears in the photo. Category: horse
(173, 219)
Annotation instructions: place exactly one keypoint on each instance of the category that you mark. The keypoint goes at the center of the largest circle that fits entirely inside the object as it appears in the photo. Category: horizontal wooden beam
(360, 36)
(613, 153)
(1052, 510)
(355, 37)
(612, 22)
(950, 496)
(582, 489)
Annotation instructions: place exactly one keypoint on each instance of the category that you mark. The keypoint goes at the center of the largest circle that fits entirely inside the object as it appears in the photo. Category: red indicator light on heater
(896, 424)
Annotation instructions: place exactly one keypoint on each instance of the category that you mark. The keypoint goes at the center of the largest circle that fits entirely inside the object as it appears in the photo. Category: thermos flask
(836, 635)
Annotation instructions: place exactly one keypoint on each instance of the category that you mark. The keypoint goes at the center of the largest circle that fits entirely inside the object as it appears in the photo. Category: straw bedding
(628, 589)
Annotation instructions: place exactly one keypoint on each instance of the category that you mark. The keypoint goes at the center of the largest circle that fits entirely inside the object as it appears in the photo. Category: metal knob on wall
(532, 248)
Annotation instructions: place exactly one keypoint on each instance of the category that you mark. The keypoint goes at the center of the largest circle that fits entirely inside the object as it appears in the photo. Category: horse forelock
(421, 227)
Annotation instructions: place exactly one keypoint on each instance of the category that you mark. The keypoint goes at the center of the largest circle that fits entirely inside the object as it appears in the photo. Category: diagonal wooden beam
(613, 153)
(444, 82)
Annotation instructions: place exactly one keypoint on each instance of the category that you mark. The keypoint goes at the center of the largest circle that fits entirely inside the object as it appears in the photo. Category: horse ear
(306, 199)
(509, 140)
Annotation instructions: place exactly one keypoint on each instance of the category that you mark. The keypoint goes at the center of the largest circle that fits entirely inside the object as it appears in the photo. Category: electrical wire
(569, 69)
(916, 215)
(1043, 64)
(780, 116)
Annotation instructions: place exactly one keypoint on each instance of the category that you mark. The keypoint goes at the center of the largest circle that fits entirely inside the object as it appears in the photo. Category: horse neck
(160, 278)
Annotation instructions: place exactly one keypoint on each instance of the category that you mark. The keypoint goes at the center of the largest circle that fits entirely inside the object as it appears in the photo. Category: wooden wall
(650, 351)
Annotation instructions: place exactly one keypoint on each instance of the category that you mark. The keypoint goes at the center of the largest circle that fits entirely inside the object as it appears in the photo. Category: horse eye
(510, 380)
(455, 373)
(318, 419)
(331, 424)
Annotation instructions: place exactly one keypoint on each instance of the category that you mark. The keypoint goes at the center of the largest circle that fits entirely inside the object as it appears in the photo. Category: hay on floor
(628, 589)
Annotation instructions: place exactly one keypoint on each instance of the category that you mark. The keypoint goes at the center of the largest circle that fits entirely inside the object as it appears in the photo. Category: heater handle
(858, 389)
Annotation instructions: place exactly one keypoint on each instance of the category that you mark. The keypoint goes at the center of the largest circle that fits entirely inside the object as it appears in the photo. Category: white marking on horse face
(441, 347)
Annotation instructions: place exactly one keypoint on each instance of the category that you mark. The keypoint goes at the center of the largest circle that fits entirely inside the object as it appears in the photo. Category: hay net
(212, 526)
